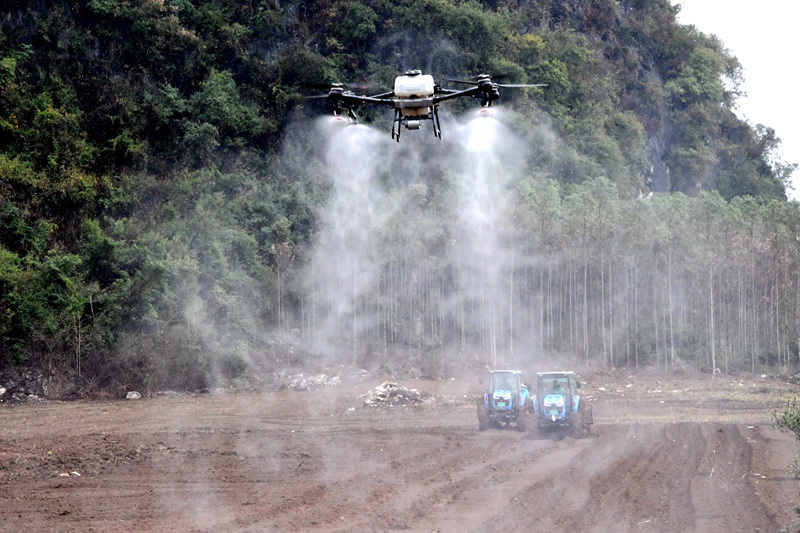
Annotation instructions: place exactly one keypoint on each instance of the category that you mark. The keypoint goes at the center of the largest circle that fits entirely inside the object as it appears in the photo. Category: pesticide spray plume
(343, 269)
(415, 248)
(491, 158)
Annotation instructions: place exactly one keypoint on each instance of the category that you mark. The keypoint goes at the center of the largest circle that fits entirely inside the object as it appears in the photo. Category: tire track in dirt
(643, 478)
(396, 473)
(347, 460)
(677, 477)
(460, 476)
(427, 473)
(725, 475)
(647, 478)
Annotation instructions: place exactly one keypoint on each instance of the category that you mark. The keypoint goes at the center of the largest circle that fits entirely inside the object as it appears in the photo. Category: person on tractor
(504, 384)
(556, 388)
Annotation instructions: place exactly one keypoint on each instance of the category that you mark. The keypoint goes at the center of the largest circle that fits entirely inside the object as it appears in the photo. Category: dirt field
(668, 454)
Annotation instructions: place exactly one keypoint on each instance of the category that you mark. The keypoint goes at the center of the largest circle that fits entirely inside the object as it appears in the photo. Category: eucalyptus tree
(605, 220)
(579, 207)
(707, 215)
(638, 228)
(780, 221)
(671, 215)
(538, 215)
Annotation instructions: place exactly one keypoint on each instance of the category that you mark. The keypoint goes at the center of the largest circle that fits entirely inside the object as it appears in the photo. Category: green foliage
(788, 418)
(357, 25)
(152, 228)
(44, 300)
(629, 136)
(218, 107)
(17, 234)
(699, 80)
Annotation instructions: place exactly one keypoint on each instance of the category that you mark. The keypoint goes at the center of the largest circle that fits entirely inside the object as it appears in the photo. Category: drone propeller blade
(521, 85)
(319, 84)
(484, 78)
(360, 87)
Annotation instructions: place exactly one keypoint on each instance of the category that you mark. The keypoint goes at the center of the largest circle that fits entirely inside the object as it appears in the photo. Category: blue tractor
(558, 404)
(506, 402)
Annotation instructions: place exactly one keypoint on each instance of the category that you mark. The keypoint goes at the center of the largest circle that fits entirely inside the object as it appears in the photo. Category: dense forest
(172, 213)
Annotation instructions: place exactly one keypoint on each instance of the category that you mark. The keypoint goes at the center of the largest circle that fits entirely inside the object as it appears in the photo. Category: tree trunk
(636, 312)
(711, 319)
(586, 308)
(671, 326)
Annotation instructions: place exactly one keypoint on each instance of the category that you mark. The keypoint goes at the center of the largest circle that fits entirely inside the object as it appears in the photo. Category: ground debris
(301, 382)
(288, 380)
(388, 394)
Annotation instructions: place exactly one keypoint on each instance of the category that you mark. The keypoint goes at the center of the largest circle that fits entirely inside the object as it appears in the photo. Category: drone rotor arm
(439, 91)
(450, 95)
(353, 99)
(382, 96)
(463, 82)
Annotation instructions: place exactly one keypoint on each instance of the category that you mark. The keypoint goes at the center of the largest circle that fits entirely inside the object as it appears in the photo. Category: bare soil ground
(667, 454)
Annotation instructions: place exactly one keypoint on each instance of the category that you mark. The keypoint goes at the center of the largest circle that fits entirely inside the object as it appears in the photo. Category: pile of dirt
(389, 394)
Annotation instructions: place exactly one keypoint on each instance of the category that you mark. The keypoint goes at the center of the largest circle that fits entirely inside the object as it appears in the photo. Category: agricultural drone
(416, 97)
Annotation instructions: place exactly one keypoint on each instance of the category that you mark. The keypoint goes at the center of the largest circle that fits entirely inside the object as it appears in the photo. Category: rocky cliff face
(659, 178)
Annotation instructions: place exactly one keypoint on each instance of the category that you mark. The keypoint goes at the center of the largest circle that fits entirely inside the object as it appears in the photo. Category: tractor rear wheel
(483, 416)
(578, 425)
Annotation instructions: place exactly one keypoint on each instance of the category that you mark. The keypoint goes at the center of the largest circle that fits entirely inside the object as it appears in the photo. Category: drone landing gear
(396, 123)
(412, 123)
(437, 130)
